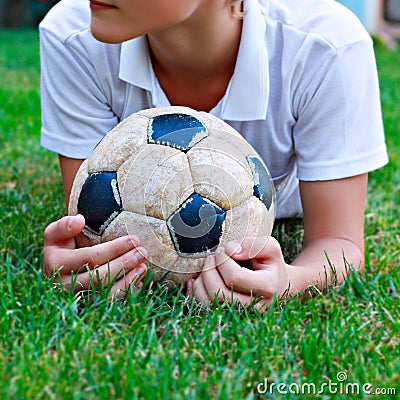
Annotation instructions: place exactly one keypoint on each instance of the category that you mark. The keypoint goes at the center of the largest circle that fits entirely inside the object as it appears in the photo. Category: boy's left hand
(223, 276)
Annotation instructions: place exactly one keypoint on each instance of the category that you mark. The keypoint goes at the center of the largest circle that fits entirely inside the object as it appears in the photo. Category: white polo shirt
(304, 91)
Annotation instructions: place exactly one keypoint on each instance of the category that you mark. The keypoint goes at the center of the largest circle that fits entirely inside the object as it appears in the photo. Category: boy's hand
(224, 276)
(121, 258)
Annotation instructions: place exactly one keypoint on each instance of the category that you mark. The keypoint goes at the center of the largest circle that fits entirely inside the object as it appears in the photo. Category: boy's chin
(104, 36)
(107, 34)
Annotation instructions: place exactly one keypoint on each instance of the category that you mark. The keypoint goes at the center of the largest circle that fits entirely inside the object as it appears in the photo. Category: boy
(297, 79)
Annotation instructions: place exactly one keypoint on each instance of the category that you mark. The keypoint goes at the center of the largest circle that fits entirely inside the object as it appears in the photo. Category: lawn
(158, 345)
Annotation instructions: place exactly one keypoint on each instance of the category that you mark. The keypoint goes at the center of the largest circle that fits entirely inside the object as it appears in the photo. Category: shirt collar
(246, 98)
(247, 95)
(135, 65)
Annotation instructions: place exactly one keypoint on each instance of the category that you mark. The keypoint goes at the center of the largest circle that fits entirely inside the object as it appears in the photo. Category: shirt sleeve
(339, 129)
(75, 111)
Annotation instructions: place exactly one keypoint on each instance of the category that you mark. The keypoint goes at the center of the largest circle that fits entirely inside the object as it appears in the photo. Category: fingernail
(133, 240)
(137, 256)
(69, 223)
(140, 270)
(143, 252)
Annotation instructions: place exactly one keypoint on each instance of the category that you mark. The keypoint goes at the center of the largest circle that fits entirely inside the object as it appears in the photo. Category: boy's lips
(99, 6)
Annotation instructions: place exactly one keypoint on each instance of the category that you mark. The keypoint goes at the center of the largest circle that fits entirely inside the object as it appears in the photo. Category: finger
(209, 277)
(204, 298)
(264, 249)
(236, 277)
(106, 273)
(259, 303)
(216, 286)
(92, 257)
(199, 291)
(189, 288)
(64, 229)
(132, 279)
(213, 282)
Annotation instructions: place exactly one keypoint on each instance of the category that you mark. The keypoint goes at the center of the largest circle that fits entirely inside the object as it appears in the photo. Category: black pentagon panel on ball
(99, 200)
(197, 226)
(263, 186)
(181, 131)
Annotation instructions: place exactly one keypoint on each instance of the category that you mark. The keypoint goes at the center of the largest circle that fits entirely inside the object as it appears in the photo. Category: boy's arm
(334, 225)
(69, 168)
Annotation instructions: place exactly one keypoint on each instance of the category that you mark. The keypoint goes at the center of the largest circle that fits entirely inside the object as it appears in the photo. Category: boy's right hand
(121, 261)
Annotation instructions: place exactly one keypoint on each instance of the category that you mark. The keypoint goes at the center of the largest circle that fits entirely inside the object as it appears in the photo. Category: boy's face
(114, 21)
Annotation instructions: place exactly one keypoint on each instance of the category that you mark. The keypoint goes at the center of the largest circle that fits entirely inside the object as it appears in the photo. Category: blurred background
(23, 13)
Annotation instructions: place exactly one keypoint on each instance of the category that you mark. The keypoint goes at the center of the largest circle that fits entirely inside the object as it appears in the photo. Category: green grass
(158, 345)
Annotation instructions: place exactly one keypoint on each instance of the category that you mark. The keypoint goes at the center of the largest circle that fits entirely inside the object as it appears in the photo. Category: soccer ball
(183, 181)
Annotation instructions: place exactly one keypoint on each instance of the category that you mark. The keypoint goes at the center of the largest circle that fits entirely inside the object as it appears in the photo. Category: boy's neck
(194, 62)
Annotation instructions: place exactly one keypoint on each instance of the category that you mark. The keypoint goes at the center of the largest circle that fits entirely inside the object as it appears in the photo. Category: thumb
(265, 248)
(64, 229)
